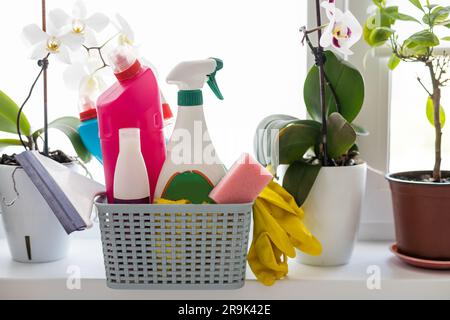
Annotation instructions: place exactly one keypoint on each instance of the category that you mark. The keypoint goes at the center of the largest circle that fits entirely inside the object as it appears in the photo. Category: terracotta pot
(422, 216)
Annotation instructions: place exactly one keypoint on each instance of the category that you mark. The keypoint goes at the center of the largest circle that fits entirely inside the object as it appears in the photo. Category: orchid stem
(44, 28)
(320, 61)
(307, 39)
(316, 29)
(43, 64)
(100, 52)
(109, 40)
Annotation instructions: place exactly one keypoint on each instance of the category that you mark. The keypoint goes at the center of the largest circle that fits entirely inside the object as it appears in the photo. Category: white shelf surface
(398, 281)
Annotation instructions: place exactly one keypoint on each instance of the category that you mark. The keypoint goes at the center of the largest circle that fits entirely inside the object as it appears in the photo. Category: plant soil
(423, 177)
(58, 156)
(349, 160)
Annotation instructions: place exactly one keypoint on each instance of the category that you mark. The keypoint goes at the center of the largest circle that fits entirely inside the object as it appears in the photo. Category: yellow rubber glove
(278, 228)
(268, 265)
(286, 212)
(264, 222)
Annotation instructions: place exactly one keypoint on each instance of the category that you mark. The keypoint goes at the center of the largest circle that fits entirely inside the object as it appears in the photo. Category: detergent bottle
(132, 102)
(131, 184)
(192, 168)
(88, 129)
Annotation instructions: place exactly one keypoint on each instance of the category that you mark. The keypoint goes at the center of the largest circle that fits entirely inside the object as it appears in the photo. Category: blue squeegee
(69, 194)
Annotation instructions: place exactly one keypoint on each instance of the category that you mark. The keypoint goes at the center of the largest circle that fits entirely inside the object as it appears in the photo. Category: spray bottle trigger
(212, 79)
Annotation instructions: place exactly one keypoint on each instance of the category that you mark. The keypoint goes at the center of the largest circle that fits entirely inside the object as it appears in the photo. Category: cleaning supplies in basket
(192, 168)
(243, 182)
(278, 230)
(68, 194)
(130, 177)
(186, 246)
(132, 102)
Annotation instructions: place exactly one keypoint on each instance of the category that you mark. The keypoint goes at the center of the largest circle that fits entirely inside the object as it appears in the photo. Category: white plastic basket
(175, 246)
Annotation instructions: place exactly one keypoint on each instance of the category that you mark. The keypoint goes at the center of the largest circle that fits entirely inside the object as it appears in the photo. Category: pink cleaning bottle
(132, 102)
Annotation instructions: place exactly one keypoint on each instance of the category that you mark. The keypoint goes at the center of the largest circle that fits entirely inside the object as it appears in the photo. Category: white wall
(258, 40)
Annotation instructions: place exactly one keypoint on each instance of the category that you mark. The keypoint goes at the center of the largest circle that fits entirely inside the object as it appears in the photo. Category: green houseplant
(321, 152)
(421, 199)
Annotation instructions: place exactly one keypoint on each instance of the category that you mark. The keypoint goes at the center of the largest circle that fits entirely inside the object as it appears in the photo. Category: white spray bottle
(192, 168)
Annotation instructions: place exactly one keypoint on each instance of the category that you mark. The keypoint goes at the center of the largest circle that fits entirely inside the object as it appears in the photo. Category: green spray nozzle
(212, 79)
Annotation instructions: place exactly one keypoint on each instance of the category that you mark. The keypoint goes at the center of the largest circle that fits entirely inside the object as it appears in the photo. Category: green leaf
(421, 40)
(437, 16)
(299, 180)
(360, 131)
(69, 126)
(341, 136)
(369, 25)
(388, 16)
(347, 83)
(430, 113)
(446, 38)
(296, 139)
(391, 14)
(8, 116)
(417, 4)
(4, 143)
(394, 61)
(405, 17)
(379, 3)
(379, 36)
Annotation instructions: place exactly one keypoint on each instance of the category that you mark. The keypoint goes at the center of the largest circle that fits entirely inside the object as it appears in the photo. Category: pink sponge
(243, 184)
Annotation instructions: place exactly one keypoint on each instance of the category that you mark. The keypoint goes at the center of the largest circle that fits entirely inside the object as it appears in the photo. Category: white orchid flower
(330, 8)
(126, 33)
(50, 42)
(89, 65)
(79, 22)
(343, 31)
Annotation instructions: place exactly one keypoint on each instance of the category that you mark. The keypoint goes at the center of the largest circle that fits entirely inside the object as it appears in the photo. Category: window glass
(412, 136)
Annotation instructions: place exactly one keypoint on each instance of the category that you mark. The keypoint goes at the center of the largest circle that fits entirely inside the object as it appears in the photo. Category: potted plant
(33, 232)
(325, 174)
(422, 198)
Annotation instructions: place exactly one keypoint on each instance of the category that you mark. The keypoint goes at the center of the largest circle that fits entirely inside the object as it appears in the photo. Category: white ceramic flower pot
(33, 232)
(333, 212)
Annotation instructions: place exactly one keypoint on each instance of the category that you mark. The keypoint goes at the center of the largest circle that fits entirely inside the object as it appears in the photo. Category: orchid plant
(420, 47)
(334, 95)
(73, 40)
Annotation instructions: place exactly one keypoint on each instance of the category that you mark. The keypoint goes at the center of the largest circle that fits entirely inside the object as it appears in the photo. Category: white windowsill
(48, 281)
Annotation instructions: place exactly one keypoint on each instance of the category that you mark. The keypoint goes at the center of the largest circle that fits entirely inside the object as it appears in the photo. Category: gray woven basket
(175, 247)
